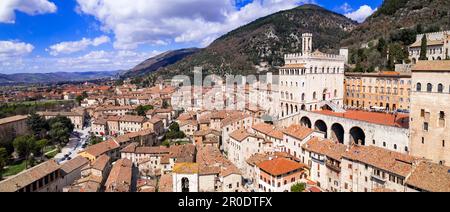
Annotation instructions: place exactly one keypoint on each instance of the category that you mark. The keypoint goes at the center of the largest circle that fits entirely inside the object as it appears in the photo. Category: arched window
(303, 97)
(419, 87)
(440, 88)
(429, 87)
(314, 95)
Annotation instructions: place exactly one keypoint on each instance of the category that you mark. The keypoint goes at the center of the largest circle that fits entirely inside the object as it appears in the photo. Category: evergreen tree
(423, 49)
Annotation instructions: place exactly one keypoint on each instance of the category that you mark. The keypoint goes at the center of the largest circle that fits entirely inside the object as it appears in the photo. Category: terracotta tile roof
(394, 162)
(326, 147)
(241, 135)
(28, 176)
(430, 177)
(102, 148)
(418, 43)
(131, 148)
(434, 65)
(280, 166)
(183, 153)
(166, 183)
(233, 118)
(207, 132)
(12, 119)
(186, 168)
(269, 130)
(101, 163)
(130, 118)
(119, 179)
(188, 122)
(153, 150)
(401, 120)
(298, 132)
(212, 162)
(73, 164)
(256, 159)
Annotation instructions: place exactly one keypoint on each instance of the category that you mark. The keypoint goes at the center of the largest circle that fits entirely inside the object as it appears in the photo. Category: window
(440, 88)
(429, 87)
(423, 140)
(442, 115)
(443, 143)
(425, 126)
(422, 113)
(419, 87)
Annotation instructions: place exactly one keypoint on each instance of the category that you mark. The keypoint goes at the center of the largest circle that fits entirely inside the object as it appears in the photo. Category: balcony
(333, 167)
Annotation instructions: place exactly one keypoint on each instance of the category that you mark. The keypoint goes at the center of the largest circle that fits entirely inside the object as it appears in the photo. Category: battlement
(315, 55)
(434, 35)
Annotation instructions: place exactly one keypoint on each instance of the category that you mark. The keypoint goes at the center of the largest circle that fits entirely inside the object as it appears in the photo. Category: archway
(321, 126)
(306, 122)
(357, 136)
(184, 184)
(337, 133)
(324, 95)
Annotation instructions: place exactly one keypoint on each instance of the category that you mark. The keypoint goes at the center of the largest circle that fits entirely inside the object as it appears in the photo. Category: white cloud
(76, 46)
(91, 61)
(361, 14)
(162, 22)
(14, 50)
(346, 8)
(30, 7)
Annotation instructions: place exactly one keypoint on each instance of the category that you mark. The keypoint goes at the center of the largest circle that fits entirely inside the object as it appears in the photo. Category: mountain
(394, 15)
(266, 40)
(159, 61)
(29, 78)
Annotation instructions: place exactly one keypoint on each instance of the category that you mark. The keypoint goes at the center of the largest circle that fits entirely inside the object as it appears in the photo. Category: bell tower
(307, 43)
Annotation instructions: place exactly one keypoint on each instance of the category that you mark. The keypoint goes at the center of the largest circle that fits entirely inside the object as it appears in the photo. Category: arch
(440, 88)
(357, 136)
(303, 107)
(292, 109)
(419, 87)
(184, 184)
(429, 87)
(325, 94)
(335, 93)
(287, 109)
(303, 96)
(296, 108)
(414, 61)
(337, 132)
(306, 122)
(321, 126)
(314, 95)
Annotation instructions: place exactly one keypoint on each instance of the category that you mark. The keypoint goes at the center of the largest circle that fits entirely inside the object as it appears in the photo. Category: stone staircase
(336, 108)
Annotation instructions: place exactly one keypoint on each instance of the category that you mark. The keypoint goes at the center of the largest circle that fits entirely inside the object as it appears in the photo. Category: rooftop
(280, 166)
(326, 147)
(28, 176)
(400, 120)
(186, 168)
(430, 177)
(298, 131)
(12, 119)
(435, 65)
(393, 162)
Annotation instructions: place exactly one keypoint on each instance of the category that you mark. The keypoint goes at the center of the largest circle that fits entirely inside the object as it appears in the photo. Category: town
(310, 127)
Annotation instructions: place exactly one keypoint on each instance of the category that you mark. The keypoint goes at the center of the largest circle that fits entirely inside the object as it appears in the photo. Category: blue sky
(103, 35)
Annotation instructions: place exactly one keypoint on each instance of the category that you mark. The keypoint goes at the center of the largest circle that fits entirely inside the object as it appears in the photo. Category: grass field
(14, 169)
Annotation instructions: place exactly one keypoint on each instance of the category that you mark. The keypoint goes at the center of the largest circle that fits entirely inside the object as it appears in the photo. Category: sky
(41, 36)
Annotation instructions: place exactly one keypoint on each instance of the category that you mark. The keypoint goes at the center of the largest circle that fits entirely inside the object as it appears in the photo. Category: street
(74, 146)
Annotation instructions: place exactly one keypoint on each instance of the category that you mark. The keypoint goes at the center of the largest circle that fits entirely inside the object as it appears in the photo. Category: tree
(165, 104)
(81, 97)
(38, 125)
(423, 49)
(174, 127)
(59, 133)
(166, 143)
(40, 145)
(142, 110)
(299, 187)
(3, 160)
(67, 123)
(24, 146)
